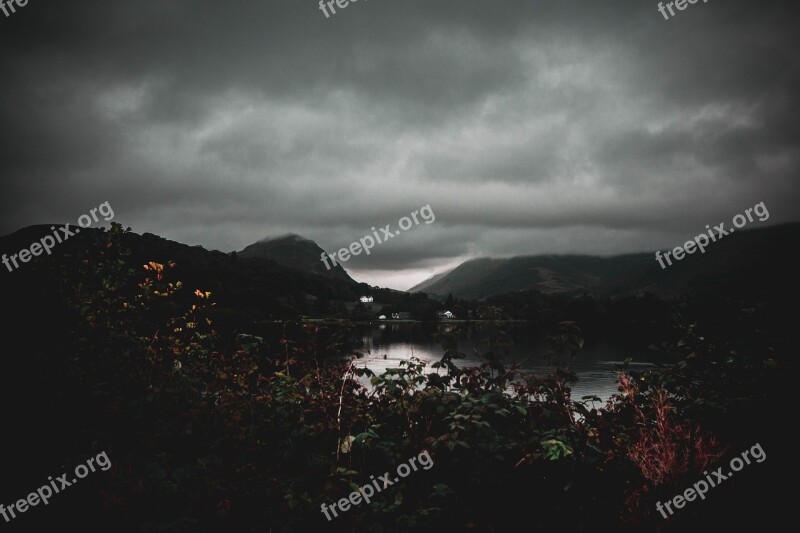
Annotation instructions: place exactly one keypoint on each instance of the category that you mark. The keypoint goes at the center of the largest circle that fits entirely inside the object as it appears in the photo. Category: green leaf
(555, 449)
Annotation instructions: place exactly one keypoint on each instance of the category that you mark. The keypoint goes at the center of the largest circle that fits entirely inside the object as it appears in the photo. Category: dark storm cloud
(529, 127)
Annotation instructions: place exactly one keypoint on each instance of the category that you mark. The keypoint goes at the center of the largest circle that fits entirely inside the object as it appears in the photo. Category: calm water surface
(385, 345)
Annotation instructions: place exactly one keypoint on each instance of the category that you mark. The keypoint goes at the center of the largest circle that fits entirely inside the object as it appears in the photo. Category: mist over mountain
(754, 261)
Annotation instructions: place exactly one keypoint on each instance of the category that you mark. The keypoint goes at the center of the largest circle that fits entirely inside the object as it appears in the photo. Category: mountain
(423, 286)
(258, 287)
(550, 274)
(756, 261)
(295, 251)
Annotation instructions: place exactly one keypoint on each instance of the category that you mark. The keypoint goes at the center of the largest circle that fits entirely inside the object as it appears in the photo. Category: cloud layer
(529, 127)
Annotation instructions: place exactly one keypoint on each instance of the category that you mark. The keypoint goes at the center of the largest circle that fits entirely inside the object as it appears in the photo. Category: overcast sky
(528, 126)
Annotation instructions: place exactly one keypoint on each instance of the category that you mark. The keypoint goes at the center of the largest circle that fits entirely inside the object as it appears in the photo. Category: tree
(449, 303)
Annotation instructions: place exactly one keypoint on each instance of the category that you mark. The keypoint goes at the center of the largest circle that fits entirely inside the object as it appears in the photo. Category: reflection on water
(385, 345)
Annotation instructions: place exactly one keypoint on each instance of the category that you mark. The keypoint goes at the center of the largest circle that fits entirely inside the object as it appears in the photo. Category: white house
(382, 317)
(365, 299)
(446, 314)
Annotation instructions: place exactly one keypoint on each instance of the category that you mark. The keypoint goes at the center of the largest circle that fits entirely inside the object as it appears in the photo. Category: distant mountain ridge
(294, 251)
(753, 260)
(282, 274)
(421, 287)
(550, 274)
(259, 285)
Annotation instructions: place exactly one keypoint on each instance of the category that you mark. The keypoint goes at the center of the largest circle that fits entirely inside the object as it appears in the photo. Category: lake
(385, 345)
